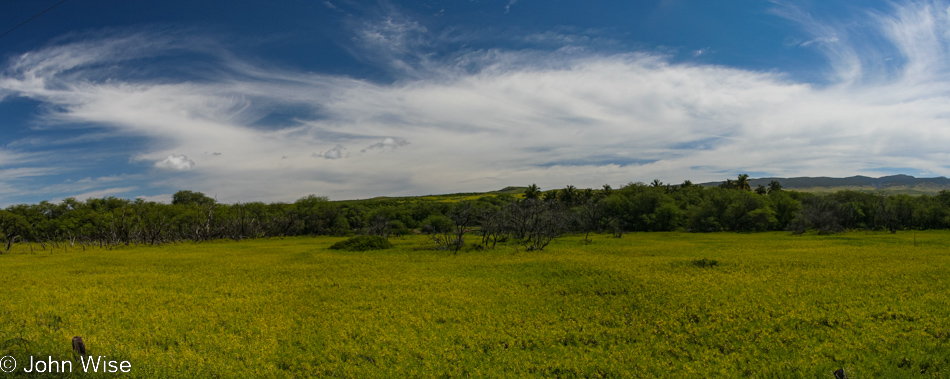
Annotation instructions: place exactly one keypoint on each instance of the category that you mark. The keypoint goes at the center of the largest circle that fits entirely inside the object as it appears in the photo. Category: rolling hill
(894, 184)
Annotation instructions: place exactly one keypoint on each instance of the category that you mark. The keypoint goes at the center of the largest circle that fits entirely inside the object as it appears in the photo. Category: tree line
(532, 220)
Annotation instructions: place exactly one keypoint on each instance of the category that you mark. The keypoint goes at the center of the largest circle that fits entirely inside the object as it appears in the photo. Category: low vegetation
(761, 305)
(705, 262)
(362, 243)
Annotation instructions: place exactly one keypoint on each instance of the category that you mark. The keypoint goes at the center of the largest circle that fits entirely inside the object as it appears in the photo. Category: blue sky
(271, 101)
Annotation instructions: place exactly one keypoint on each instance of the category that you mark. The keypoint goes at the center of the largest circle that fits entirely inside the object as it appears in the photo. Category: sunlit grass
(772, 305)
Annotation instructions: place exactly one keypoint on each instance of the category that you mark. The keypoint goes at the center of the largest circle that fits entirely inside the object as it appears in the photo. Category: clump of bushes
(702, 263)
(362, 243)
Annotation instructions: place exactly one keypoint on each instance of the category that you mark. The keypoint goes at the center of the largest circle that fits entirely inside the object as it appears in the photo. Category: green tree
(748, 212)
(786, 208)
(191, 198)
(318, 216)
(591, 216)
(568, 196)
(743, 182)
(774, 186)
(12, 228)
(533, 192)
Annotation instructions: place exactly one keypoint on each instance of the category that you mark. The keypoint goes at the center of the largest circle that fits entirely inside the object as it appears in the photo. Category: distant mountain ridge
(891, 184)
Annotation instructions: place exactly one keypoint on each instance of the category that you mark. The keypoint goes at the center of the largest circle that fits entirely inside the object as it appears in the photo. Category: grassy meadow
(645, 305)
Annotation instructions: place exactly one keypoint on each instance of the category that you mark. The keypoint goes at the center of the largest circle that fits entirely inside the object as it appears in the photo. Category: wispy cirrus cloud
(485, 119)
(395, 41)
(510, 4)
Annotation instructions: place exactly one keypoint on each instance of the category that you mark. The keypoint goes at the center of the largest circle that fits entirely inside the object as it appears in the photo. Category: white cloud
(827, 40)
(97, 194)
(176, 162)
(484, 120)
(106, 179)
(336, 152)
(389, 143)
(23, 172)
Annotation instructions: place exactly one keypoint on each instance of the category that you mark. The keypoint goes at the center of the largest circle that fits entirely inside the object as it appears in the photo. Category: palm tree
(774, 186)
(533, 192)
(587, 194)
(743, 182)
(569, 195)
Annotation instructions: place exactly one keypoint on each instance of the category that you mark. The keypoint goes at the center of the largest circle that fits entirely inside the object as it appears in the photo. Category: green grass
(915, 190)
(772, 305)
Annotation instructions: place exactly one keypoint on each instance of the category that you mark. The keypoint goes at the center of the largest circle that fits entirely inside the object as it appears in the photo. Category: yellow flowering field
(646, 305)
